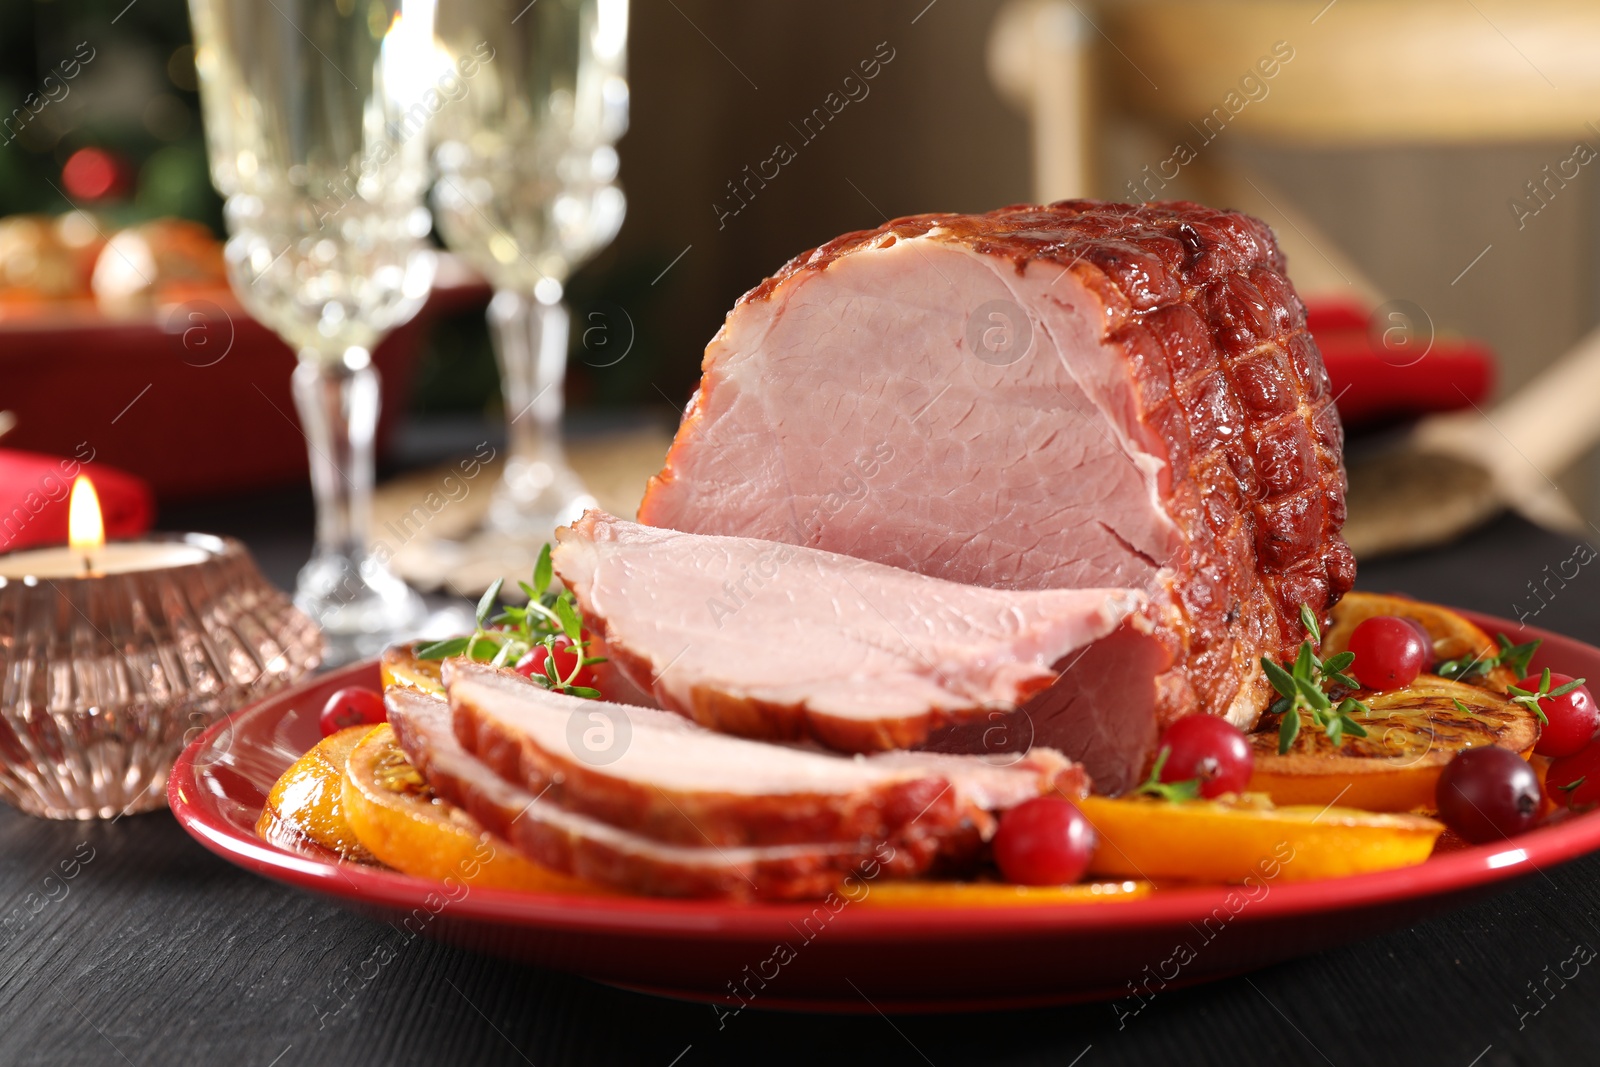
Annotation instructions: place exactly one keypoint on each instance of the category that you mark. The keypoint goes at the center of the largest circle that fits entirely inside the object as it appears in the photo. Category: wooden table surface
(157, 952)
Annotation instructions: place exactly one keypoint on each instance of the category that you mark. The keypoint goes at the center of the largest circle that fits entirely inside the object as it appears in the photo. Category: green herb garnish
(1530, 699)
(504, 639)
(1173, 791)
(1466, 668)
(1302, 686)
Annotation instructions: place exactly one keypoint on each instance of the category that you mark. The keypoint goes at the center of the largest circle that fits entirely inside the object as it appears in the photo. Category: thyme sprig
(1173, 791)
(505, 638)
(1530, 698)
(1466, 668)
(1302, 687)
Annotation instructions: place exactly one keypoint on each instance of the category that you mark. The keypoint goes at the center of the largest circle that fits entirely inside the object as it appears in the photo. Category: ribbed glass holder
(104, 679)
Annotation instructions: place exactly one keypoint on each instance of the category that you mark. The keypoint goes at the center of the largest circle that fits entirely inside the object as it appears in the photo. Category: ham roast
(1081, 395)
(774, 641)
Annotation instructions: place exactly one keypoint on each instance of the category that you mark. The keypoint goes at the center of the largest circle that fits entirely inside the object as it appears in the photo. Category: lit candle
(116, 655)
(87, 555)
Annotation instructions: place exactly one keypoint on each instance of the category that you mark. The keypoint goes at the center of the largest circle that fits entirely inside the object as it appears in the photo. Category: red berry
(353, 706)
(533, 663)
(1573, 716)
(1575, 780)
(1044, 841)
(1488, 794)
(1390, 653)
(1427, 638)
(1208, 748)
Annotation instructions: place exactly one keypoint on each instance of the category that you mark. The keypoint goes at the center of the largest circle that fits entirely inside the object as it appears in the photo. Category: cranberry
(1427, 638)
(1389, 653)
(566, 658)
(1573, 715)
(1208, 748)
(1488, 794)
(1575, 780)
(1044, 841)
(353, 706)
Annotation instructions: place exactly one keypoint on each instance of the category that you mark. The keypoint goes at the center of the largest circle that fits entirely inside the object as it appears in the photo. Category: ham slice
(1082, 395)
(590, 848)
(770, 640)
(656, 774)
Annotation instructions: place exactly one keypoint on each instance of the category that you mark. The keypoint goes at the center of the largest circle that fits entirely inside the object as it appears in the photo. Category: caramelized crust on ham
(590, 848)
(1083, 394)
(768, 640)
(656, 774)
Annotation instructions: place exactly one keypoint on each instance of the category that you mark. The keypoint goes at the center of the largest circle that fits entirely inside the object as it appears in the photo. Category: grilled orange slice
(1411, 734)
(398, 819)
(307, 803)
(1249, 839)
(908, 894)
(1454, 636)
(401, 668)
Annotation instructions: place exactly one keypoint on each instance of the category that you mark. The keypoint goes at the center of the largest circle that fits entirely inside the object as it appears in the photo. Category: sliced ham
(590, 848)
(1078, 395)
(771, 640)
(656, 774)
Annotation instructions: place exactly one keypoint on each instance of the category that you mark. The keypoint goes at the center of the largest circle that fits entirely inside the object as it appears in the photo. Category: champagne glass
(315, 126)
(525, 192)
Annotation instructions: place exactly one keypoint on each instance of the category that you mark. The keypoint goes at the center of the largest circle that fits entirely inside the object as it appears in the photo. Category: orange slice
(1248, 840)
(908, 894)
(402, 669)
(1411, 734)
(307, 803)
(397, 817)
(1453, 634)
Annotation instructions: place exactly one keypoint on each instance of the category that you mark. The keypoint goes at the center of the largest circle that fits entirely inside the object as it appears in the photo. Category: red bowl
(194, 398)
(856, 958)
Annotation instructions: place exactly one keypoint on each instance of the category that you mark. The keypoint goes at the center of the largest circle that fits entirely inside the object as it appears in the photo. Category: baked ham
(586, 847)
(770, 640)
(1081, 395)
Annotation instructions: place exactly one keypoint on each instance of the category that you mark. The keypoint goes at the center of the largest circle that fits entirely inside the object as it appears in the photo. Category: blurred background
(945, 124)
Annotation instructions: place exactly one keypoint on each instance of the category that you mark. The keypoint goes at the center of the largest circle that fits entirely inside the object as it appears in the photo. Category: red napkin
(1377, 384)
(33, 499)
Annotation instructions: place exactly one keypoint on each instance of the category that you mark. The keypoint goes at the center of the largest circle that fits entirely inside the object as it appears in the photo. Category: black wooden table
(156, 952)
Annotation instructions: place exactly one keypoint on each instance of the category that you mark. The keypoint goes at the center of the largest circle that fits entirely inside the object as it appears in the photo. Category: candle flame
(85, 528)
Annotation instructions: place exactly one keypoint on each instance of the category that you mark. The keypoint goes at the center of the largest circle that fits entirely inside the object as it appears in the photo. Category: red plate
(808, 957)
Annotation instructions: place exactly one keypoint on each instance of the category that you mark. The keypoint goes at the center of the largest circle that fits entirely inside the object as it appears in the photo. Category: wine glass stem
(338, 404)
(530, 343)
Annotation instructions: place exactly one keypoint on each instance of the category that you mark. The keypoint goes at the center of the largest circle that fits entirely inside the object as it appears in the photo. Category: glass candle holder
(104, 677)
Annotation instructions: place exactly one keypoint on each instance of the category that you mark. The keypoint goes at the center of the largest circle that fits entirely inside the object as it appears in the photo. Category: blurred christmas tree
(99, 110)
